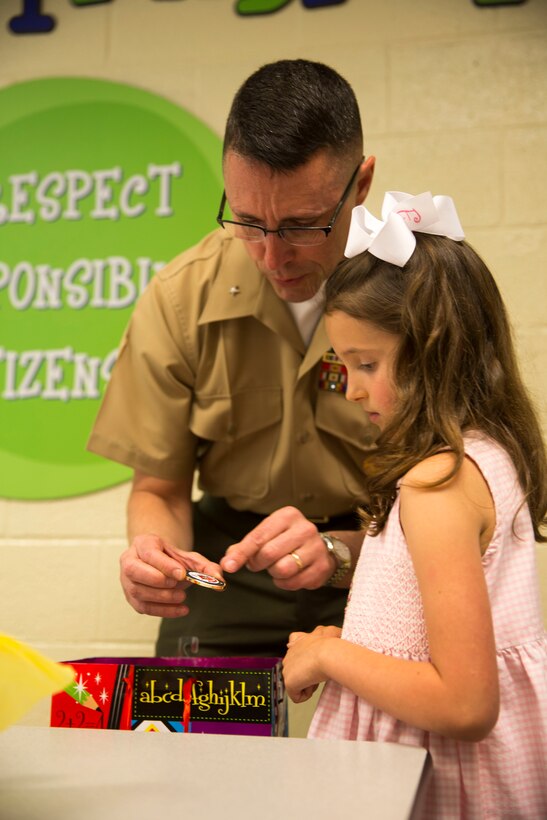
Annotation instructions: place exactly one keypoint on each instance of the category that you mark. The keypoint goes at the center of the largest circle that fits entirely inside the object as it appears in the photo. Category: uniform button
(307, 496)
(302, 438)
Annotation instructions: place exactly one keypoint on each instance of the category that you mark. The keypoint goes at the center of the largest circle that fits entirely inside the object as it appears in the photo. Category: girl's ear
(364, 180)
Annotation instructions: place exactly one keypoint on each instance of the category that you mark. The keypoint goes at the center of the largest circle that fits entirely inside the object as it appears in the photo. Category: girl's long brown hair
(455, 369)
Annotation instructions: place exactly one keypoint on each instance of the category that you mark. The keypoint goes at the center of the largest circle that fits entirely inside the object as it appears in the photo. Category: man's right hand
(152, 573)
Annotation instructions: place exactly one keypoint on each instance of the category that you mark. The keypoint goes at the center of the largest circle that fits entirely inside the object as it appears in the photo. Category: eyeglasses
(294, 235)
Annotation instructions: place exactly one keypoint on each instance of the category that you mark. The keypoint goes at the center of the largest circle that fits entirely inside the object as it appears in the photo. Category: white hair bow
(392, 237)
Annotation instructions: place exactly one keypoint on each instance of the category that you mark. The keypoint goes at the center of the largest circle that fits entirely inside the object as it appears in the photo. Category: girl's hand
(302, 669)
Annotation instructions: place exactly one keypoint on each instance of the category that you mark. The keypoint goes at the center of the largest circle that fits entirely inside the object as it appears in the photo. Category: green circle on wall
(101, 184)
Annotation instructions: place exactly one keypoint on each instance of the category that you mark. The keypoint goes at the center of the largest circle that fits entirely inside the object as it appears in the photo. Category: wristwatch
(341, 554)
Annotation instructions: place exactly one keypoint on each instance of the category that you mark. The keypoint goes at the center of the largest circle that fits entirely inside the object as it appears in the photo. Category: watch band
(341, 554)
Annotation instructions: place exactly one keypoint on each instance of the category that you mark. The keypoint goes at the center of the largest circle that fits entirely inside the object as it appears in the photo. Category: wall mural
(100, 184)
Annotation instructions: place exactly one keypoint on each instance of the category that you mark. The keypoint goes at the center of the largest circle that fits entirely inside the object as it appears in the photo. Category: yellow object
(26, 677)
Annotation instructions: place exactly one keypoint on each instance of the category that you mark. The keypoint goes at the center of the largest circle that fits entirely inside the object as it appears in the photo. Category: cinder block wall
(454, 100)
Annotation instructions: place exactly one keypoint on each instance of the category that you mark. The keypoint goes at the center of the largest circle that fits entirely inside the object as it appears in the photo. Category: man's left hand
(288, 546)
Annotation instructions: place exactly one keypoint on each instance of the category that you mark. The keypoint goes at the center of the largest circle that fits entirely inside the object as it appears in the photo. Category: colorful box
(236, 696)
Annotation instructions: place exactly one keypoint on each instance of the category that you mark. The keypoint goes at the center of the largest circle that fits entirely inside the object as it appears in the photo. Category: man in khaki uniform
(225, 368)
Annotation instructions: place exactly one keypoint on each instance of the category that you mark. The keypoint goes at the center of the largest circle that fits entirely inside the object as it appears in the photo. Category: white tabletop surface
(82, 774)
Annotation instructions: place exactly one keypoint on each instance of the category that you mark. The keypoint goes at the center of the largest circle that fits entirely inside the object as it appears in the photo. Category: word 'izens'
(33, 374)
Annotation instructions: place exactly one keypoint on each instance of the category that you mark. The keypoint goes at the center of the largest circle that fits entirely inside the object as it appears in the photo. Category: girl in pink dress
(443, 644)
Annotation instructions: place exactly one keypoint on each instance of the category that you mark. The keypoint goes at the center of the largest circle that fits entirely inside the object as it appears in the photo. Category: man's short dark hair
(288, 110)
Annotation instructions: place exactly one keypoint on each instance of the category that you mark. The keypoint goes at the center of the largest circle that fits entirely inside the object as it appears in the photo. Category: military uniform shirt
(212, 373)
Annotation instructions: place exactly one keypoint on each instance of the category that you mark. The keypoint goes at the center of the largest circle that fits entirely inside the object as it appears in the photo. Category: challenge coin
(201, 579)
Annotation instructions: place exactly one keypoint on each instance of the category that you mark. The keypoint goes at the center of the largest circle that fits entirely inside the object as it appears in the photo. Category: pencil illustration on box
(77, 690)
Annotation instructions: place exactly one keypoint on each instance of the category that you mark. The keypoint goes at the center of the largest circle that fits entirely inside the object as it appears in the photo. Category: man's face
(307, 196)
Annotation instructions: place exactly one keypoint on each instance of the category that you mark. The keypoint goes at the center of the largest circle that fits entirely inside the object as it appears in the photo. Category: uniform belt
(218, 510)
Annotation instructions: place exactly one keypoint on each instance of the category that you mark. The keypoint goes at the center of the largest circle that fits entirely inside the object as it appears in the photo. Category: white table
(82, 774)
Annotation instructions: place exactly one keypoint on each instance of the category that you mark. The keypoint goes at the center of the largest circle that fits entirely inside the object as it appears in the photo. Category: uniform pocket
(239, 435)
(229, 418)
(343, 420)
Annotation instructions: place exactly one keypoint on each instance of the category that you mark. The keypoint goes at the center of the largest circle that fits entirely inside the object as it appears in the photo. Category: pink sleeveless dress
(505, 775)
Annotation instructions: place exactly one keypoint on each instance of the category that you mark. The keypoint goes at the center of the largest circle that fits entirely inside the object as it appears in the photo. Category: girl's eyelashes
(368, 366)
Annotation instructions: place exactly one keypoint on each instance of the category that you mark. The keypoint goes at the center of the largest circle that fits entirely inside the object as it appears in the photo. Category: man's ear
(364, 179)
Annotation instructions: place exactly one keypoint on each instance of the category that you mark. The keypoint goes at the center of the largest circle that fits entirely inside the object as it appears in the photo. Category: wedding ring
(298, 560)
